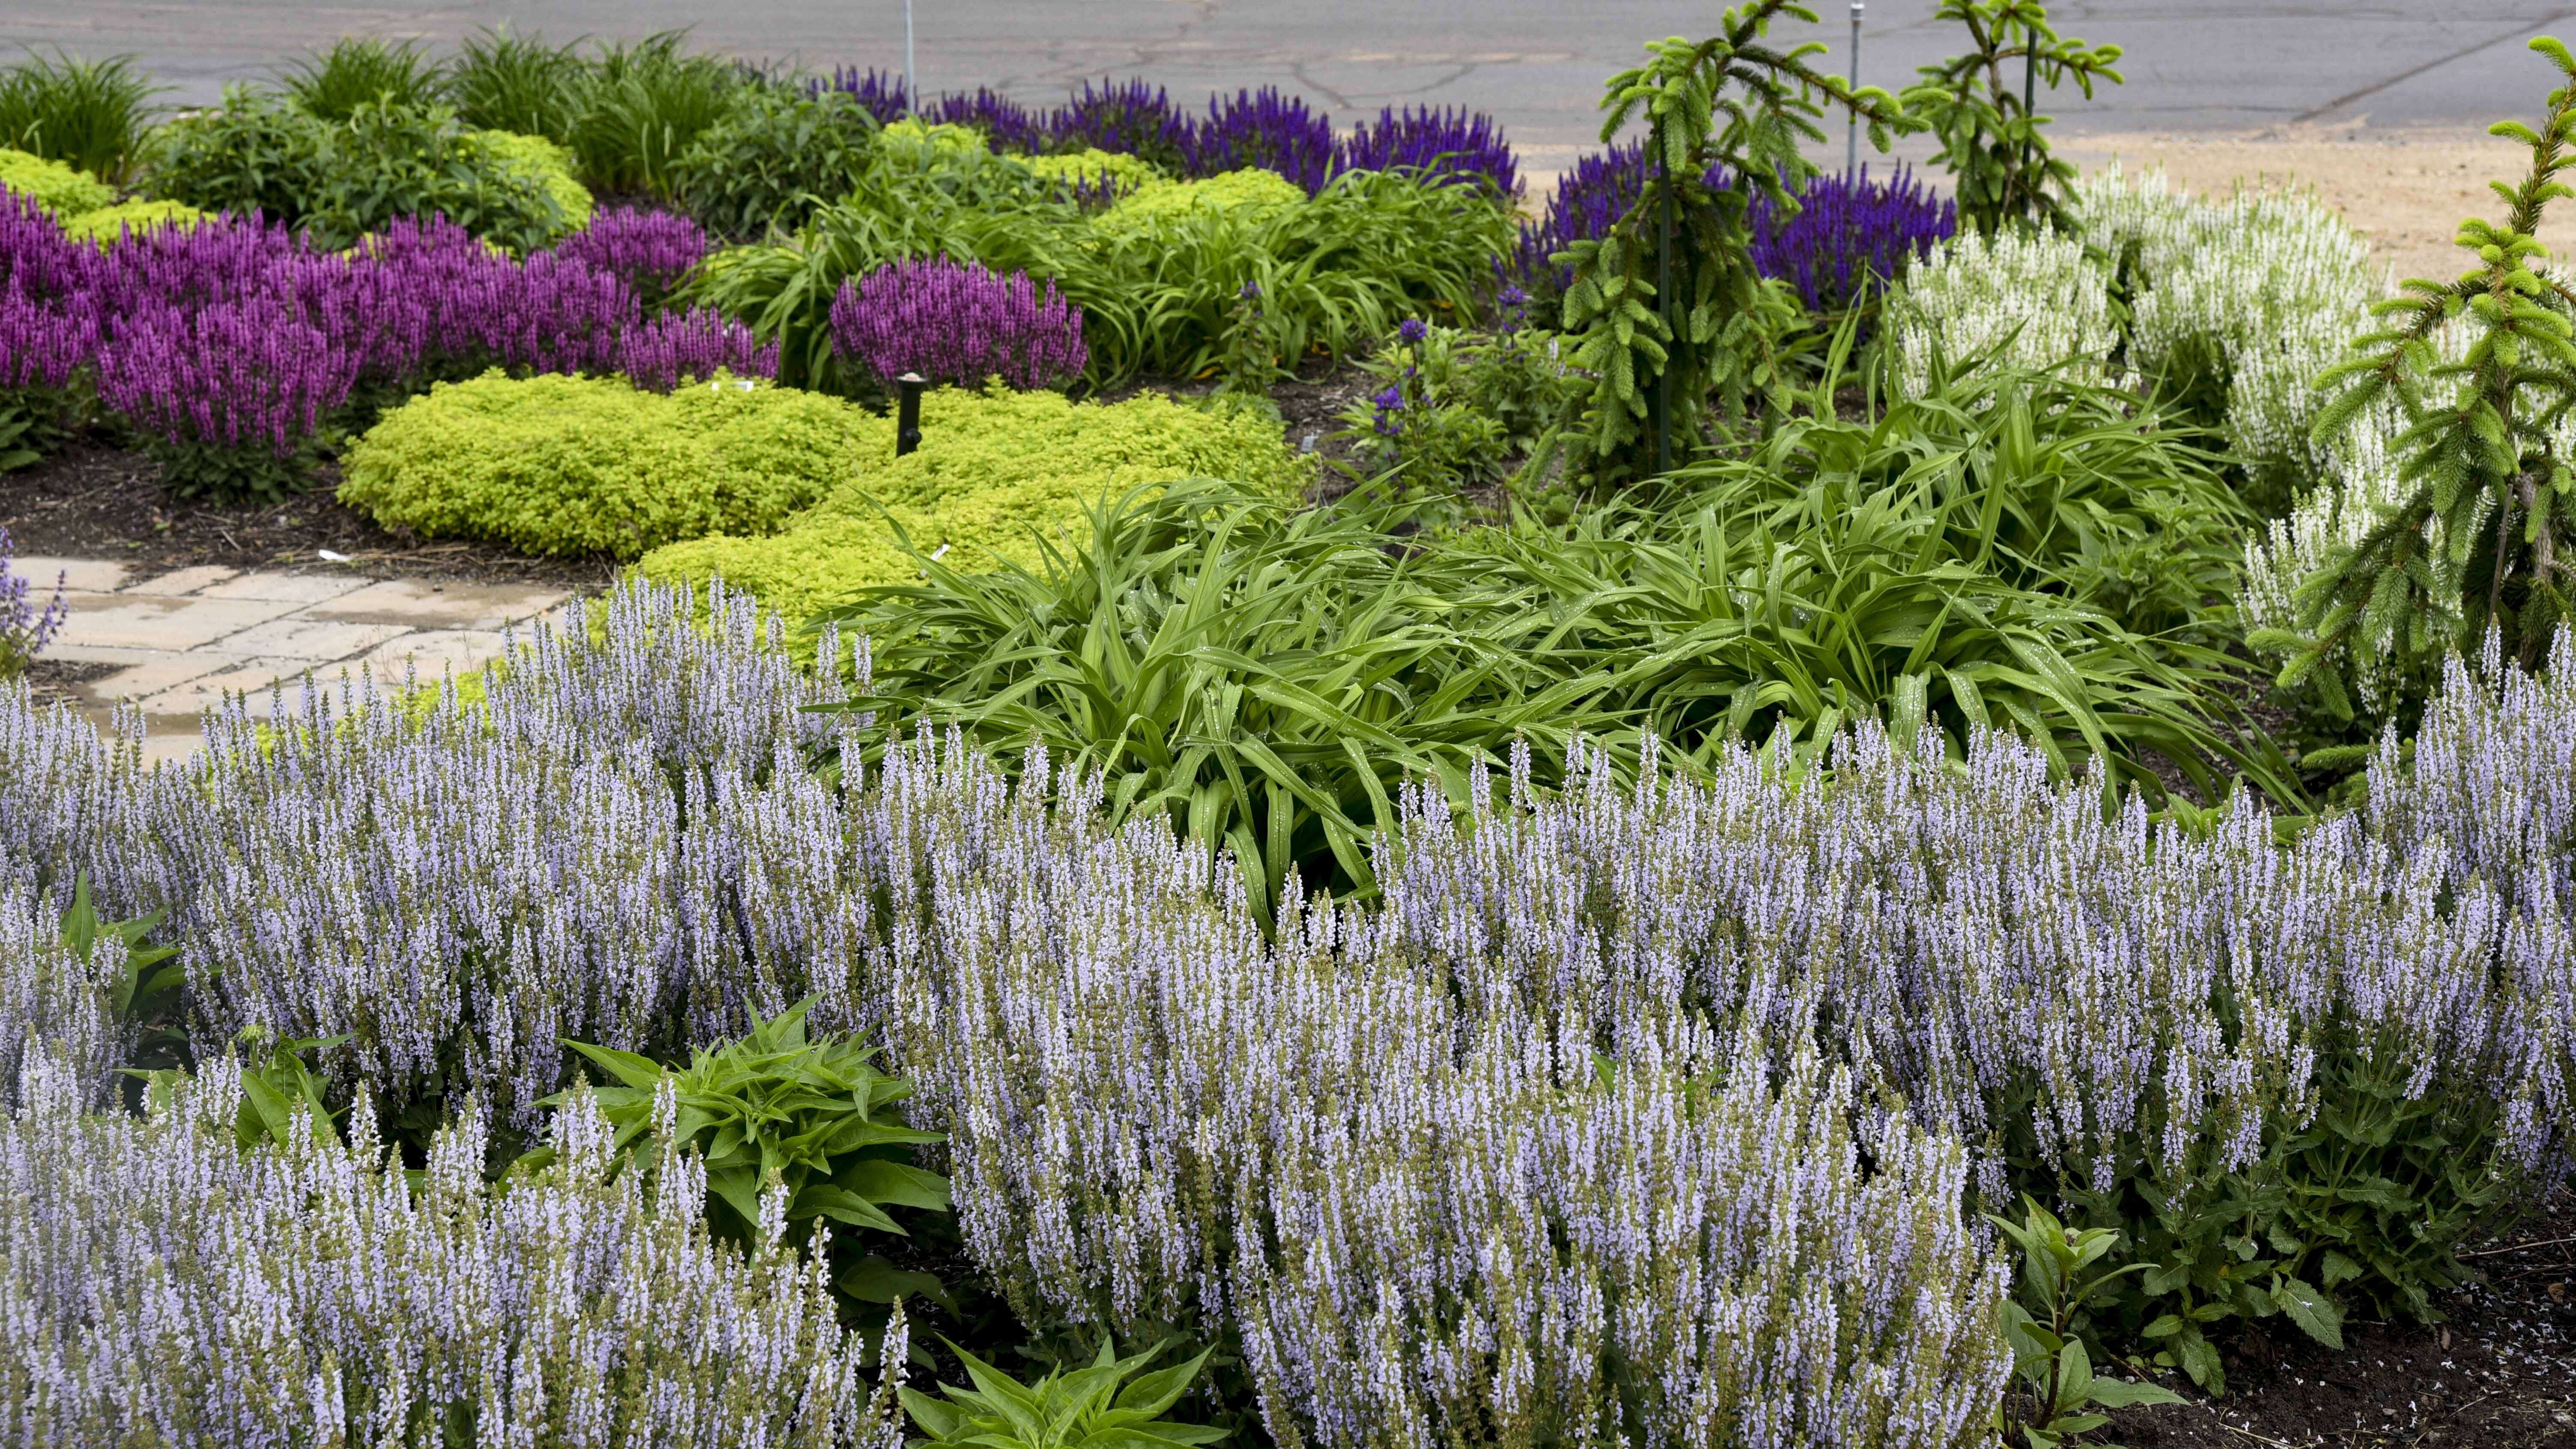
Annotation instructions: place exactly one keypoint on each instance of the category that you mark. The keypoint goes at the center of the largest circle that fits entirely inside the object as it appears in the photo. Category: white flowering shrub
(2015, 299)
(162, 1286)
(2255, 295)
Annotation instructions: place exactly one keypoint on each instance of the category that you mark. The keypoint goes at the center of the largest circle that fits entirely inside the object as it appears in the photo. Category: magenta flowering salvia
(651, 250)
(958, 323)
(228, 393)
(692, 346)
(43, 343)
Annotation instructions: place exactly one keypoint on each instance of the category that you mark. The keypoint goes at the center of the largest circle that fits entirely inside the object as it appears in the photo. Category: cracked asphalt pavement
(1537, 65)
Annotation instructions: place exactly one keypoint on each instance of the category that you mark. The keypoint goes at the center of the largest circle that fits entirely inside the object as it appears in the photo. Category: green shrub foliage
(53, 185)
(1667, 310)
(1995, 147)
(769, 164)
(563, 465)
(342, 180)
(2477, 538)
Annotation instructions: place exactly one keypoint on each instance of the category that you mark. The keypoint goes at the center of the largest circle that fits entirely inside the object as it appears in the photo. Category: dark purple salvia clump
(1266, 129)
(1846, 230)
(1850, 235)
(660, 355)
(1007, 125)
(43, 343)
(652, 250)
(368, 310)
(1128, 117)
(24, 629)
(880, 94)
(226, 259)
(958, 323)
(248, 376)
(1589, 200)
(1441, 141)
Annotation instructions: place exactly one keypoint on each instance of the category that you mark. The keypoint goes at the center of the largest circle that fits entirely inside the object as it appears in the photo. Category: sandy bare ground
(2405, 190)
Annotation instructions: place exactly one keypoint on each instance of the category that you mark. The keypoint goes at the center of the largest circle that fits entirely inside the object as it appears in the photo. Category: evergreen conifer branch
(2474, 544)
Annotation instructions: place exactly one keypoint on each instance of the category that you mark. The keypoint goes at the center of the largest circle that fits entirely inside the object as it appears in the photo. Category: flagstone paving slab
(186, 638)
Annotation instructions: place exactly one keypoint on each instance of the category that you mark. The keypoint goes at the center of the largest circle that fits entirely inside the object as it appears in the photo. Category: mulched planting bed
(2501, 1372)
(95, 501)
(90, 501)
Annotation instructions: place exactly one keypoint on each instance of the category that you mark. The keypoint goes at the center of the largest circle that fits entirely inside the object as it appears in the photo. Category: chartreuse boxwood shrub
(111, 224)
(52, 185)
(568, 465)
(995, 475)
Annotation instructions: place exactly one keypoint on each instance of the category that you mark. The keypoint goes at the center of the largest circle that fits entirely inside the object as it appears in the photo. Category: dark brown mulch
(91, 501)
(58, 681)
(2500, 1373)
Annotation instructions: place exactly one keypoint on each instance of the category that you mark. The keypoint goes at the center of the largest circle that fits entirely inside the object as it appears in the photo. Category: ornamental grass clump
(960, 324)
(167, 1286)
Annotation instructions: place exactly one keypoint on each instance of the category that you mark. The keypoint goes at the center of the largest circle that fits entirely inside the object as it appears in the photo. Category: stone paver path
(182, 640)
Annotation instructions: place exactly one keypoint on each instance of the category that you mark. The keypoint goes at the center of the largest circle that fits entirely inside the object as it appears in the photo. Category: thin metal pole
(911, 80)
(1672, 338)
(1851, 143)
(2029, 104)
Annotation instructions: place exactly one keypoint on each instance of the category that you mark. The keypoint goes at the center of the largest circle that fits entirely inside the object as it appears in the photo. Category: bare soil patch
(2501, 1372)
(93, 501)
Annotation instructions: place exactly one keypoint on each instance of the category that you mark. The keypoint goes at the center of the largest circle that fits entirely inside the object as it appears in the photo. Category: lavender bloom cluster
(24, 629)
(1593, 1082)
(53, 1002)
(957, 322)
(1848, 234)
(693, 345)
(163, 1286)
(43, 343)
(458, 895)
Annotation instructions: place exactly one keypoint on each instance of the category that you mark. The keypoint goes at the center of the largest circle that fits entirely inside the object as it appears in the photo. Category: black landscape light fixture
(907, 412)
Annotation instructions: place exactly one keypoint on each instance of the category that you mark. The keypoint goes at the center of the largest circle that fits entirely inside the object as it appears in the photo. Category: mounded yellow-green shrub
(1135, 173)
(548, 164)
(1252, 195)
(569, 465)
(995, 473)
(912, 135)
(109, 225)
(52, 185)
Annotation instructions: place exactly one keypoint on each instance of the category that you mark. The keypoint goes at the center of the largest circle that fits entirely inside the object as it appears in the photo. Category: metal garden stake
(907, 412)
(1851, 142)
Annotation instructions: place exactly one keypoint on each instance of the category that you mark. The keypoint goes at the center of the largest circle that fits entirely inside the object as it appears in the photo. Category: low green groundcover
(996, 474)
(572, 465)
